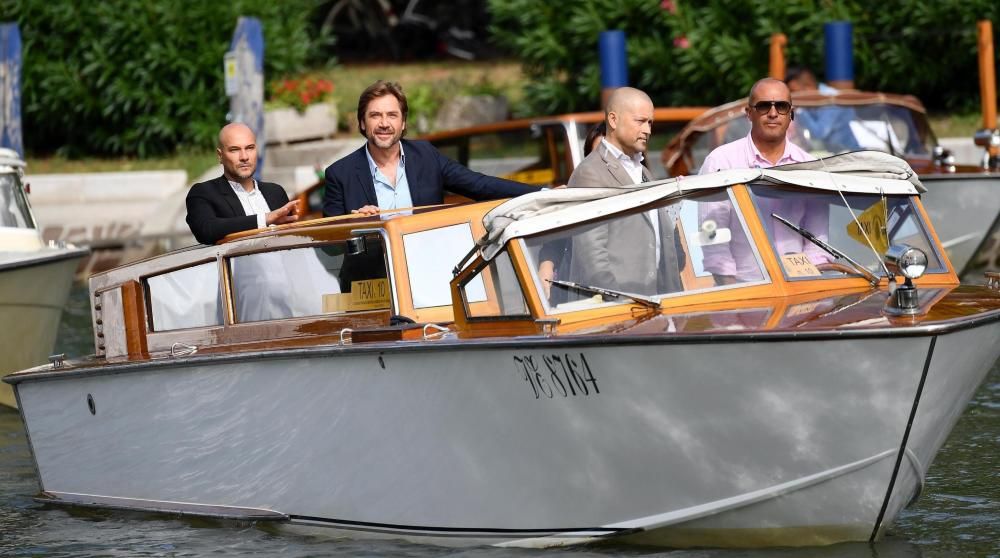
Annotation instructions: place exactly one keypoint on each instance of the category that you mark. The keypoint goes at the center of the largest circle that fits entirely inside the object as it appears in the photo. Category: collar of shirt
(635, 160)
(240, 191)
(373, 168)
(757, 160)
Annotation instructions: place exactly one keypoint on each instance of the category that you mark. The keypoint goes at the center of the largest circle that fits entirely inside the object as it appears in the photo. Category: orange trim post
(777, 63)
(987, 77)
(988, 82)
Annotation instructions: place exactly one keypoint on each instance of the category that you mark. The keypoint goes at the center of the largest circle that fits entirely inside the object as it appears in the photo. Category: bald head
(625, 98)
(237, 152)
(770, 113)
(233, 131)
(773, 87)
(629, 118)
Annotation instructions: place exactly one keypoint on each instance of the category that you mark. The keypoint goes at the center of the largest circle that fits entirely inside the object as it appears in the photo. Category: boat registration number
(557, 375)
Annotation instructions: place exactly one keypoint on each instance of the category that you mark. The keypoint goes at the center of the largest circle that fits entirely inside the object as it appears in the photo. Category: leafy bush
(706, 53)
(139, 77)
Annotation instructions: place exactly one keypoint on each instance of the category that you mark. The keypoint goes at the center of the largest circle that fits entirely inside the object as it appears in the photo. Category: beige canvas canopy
(867, 172)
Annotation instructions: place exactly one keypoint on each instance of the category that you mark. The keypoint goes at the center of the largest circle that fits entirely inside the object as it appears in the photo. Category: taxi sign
(798, 265)
(873, 222)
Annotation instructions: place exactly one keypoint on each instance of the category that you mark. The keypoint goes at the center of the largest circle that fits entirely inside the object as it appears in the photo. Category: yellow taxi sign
(873, 223)
(370, 294)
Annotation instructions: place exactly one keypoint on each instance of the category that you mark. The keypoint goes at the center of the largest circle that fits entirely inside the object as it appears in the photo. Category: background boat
(35, 279)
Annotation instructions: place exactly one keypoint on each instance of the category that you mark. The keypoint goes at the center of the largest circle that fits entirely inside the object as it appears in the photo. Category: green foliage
(139, 77)
(706, 53)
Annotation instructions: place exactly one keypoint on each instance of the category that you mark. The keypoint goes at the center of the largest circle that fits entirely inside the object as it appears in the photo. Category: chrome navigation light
(911, 263)
(906, 260)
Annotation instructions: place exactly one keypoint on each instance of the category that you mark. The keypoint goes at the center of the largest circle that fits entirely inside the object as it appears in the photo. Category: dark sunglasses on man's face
(764, 107)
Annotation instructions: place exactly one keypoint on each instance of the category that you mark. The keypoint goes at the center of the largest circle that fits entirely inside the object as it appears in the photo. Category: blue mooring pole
(839, 54)
(614, 62)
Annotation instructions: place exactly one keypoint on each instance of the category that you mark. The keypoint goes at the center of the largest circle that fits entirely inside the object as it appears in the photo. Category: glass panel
(503, 292)
(310, 281)
(670, 248)
(886, 221)
(833, 129)
(13, 205)
(430, 258)
(186, 298)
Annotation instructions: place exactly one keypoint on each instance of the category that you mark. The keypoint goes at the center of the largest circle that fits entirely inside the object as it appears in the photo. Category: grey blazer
(621, 254)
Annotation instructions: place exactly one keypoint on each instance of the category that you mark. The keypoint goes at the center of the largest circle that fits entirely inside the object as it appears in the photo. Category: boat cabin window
(13, 204)
(185, 298)
(310, 281)
(430, 259)
(493, 291)
(669, 248)
(885, 221)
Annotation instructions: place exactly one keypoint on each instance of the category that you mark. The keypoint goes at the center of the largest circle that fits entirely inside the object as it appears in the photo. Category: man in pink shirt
(770, 112)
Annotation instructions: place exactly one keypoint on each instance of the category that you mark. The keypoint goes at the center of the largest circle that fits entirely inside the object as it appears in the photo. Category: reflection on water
(958, 514)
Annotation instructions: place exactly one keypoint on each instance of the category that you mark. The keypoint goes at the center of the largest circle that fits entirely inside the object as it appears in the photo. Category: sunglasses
(764, 107)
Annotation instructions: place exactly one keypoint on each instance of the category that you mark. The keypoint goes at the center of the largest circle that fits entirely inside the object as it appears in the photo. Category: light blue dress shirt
(390, 197)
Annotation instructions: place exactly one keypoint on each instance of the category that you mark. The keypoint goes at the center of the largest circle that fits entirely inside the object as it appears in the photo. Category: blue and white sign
(10, 88)
(244, 71)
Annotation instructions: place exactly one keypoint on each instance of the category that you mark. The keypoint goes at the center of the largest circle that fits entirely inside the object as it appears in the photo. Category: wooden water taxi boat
(963, 201)
(391, 376)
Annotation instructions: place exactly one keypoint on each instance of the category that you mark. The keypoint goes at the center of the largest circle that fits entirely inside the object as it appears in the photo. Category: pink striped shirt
(736, 258)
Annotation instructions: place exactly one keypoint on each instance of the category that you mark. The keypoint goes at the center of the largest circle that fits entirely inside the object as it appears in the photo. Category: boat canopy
(864, 172)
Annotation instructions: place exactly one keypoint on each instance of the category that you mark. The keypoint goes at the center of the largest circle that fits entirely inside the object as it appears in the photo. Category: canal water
(957, 515)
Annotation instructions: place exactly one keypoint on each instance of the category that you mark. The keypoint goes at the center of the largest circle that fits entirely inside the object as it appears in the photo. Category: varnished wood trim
(134, 313)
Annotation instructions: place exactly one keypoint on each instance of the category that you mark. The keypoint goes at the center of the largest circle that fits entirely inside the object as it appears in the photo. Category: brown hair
(380, 89)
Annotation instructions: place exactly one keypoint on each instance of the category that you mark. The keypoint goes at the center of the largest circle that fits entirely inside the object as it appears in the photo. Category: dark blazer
(214, 210)
(349, 183)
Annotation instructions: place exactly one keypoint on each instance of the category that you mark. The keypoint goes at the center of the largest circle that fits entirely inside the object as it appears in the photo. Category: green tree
(706, 53)
(139, 77)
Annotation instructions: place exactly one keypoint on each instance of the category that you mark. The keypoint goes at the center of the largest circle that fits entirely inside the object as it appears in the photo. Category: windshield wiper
(871, 277)
(644, 300)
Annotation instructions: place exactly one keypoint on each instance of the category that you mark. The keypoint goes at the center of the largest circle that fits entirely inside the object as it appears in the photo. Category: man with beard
(235, 201)
(389, 172)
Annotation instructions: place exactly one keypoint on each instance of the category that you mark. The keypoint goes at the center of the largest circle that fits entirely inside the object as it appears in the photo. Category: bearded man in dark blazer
(235, 201)
(389, 172)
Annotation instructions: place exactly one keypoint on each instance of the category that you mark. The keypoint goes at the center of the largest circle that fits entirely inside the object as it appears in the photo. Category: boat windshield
(886, 221)
(832, 129)
(13, 203)
(665, 249)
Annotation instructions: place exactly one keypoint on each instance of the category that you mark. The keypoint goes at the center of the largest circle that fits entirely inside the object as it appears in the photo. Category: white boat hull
(667, 444)
(964, 209)
(34, 287)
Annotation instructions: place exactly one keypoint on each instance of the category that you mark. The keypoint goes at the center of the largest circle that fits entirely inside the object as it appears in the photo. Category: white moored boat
(333, 375)
(35, 278)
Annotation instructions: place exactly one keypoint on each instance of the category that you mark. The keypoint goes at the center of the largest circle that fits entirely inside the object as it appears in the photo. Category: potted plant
(299, 110)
